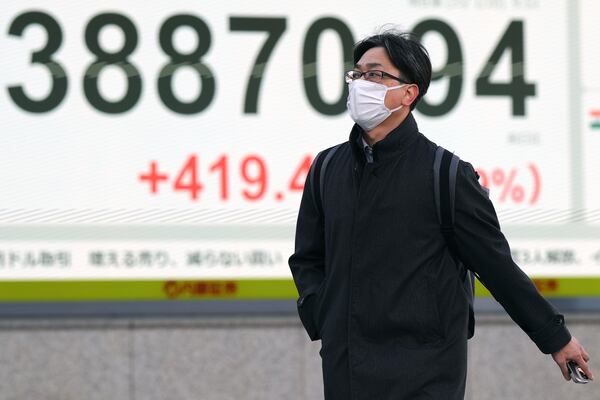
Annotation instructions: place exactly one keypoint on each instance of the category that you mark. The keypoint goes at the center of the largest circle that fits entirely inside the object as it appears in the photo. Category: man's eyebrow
(369, 65)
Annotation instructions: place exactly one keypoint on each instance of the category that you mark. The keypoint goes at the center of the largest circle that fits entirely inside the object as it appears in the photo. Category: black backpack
(445, 167)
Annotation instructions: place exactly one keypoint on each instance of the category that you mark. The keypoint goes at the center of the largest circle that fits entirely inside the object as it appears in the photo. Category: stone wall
(250, 358)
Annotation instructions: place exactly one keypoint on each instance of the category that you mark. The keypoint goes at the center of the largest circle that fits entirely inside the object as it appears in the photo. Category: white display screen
(169, 141)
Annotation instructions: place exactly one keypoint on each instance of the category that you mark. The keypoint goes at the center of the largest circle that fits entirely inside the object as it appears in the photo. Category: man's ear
(410, 95)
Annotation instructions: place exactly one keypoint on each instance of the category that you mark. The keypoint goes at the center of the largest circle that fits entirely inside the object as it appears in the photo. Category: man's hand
(573, 351)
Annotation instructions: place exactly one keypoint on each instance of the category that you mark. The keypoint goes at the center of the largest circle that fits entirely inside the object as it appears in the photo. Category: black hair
(406, 53)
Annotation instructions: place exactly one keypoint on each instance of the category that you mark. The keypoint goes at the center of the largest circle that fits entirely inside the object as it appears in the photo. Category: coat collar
(394, 144)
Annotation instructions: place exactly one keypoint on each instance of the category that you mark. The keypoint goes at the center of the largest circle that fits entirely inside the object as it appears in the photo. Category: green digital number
(452, 69)
(192, 59)
(44, 57)
(517, 88)
(309, 64)
(118, 59)
(274, 27)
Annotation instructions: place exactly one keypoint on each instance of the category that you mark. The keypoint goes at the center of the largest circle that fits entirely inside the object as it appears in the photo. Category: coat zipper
(358, 179)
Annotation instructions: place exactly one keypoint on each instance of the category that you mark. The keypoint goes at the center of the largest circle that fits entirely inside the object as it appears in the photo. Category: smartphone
(577, 373)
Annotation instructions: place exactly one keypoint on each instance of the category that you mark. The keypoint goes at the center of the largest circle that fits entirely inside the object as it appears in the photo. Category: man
(376, 280)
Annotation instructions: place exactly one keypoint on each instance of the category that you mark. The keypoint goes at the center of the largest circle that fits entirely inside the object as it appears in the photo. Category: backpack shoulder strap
(317, 174)
(445, 168)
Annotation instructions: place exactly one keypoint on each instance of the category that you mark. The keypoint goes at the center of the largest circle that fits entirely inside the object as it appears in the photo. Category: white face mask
(366, 103)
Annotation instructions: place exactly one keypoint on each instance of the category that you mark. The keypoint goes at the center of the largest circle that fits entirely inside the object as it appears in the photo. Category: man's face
(377, 58)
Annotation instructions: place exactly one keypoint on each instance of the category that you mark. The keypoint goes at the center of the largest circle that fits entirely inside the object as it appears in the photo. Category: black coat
(376, 281)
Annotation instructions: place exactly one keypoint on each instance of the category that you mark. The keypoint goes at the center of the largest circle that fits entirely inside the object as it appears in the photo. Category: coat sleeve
(308, 261)
(484, 249)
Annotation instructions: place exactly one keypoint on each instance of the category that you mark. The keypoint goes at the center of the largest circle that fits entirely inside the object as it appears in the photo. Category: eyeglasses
(371, 75)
